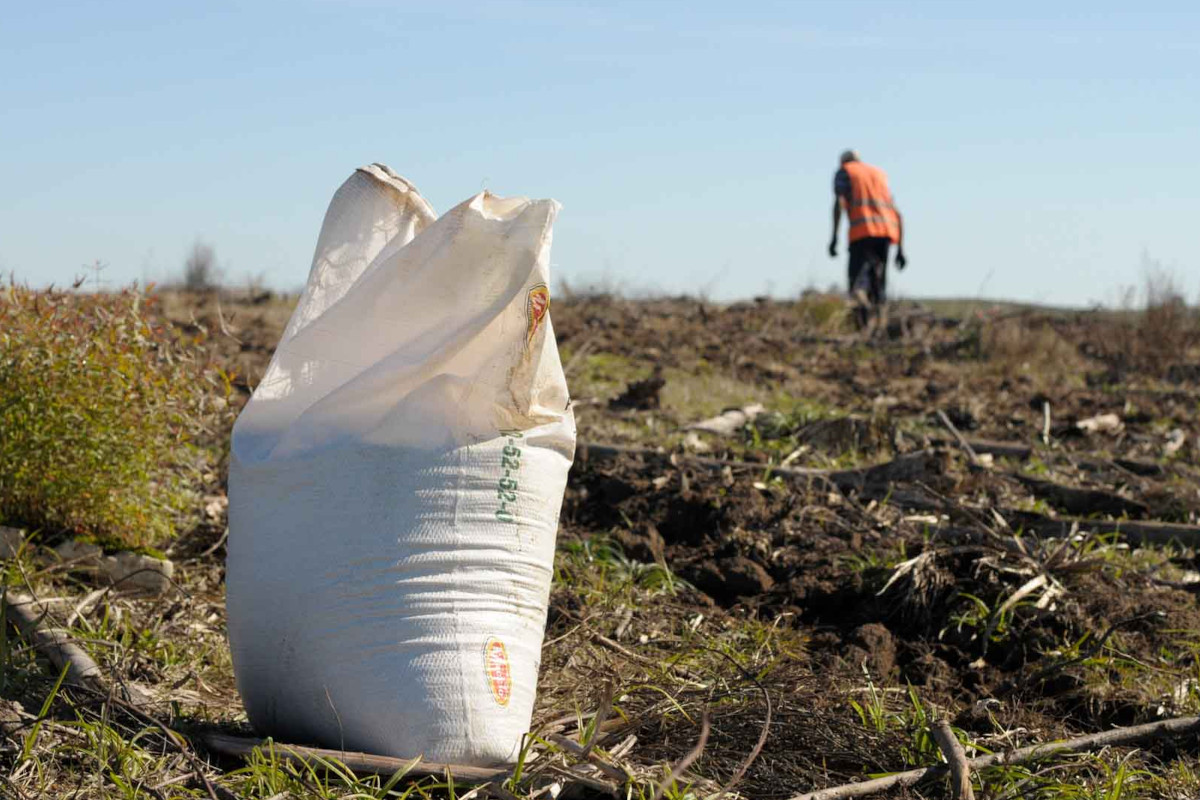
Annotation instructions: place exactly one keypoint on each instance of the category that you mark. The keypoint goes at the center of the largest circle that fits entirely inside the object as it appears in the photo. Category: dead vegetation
(806, 601)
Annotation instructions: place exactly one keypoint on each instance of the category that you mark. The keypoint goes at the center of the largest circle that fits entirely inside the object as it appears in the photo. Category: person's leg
(879, 257)
(858, 273)
(878, 284)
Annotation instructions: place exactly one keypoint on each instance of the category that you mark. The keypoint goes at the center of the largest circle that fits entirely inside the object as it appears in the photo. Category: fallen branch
(370, 764)
(26, 615)
(1179, 726)
(1023, 452)
(1135, 532)
(956, 759)
(360, 763)
(902, 468)
(1082, 501)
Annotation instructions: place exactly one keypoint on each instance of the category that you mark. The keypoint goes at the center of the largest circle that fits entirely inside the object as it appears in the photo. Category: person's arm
(901, 261)
(841, 193)
(837, 222)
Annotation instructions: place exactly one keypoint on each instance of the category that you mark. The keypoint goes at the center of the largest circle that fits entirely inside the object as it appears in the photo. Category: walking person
(875, 224)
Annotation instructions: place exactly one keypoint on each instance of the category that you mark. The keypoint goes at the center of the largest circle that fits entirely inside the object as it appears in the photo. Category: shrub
(99, 407)
(1024, 344)
(824, 312)
(200, 270)
(1154, 339)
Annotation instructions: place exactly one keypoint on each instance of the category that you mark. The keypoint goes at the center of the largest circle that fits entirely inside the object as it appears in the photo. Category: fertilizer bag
(396, 480)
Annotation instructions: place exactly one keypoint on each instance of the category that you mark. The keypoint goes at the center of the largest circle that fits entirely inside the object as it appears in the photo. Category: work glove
(833, 249)
(901, 261)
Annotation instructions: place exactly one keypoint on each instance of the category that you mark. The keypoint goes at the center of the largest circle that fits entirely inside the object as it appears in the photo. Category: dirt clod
(879, 646)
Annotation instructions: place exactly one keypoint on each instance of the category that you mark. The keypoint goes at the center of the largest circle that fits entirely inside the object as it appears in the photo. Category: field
(988, 517)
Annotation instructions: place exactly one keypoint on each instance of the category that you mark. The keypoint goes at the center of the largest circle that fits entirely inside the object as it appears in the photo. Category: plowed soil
(1000, 580)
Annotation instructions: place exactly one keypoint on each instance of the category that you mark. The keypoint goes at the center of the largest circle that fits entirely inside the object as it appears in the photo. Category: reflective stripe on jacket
(869, 204)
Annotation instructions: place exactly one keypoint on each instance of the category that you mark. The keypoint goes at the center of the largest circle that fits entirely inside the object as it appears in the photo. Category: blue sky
(1040, 151)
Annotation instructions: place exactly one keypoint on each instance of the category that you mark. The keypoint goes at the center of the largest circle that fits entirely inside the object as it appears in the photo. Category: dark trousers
(868, 267)
(868, 274)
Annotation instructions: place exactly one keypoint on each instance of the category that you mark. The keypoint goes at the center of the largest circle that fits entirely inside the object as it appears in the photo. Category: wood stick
(1082, 501)
(1133, 531)
(586, 754)
(958, 437)
(585, 451)
(682, 764)
(905, 467)
(361, 763)
(1023, 452)
(26, 614)
(1179, 726)
(956, 759)
(606, 701)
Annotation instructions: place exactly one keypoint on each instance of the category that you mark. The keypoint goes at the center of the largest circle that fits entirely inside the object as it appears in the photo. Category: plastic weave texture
(396, 481)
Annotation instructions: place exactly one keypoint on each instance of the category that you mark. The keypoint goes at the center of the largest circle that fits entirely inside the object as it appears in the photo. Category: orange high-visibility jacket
(869, 205)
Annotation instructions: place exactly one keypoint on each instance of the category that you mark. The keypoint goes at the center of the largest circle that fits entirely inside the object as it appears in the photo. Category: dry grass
(1165, 332)
(1026, 345)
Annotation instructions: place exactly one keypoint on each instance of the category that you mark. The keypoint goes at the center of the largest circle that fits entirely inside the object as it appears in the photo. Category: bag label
(507, 485)
(497, 671)
(537, 303)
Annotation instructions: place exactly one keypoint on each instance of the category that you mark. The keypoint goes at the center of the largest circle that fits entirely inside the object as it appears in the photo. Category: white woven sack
(396, 481)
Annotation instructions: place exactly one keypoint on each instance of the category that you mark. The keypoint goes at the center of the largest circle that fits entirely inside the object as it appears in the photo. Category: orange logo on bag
(495, 666)
(536, 306)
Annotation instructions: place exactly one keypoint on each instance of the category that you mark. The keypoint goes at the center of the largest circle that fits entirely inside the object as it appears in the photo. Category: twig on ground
(1094, 648)
(181, 743)
(606, 701)
(584, 753)
(1179, 726)
(958, 437)
(956, 758)
(215, 546)
(641, 659)
(1075, 500)
(85, 606)
(582, 623)
(682, 764)
(766, 727)
(1028, 588)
